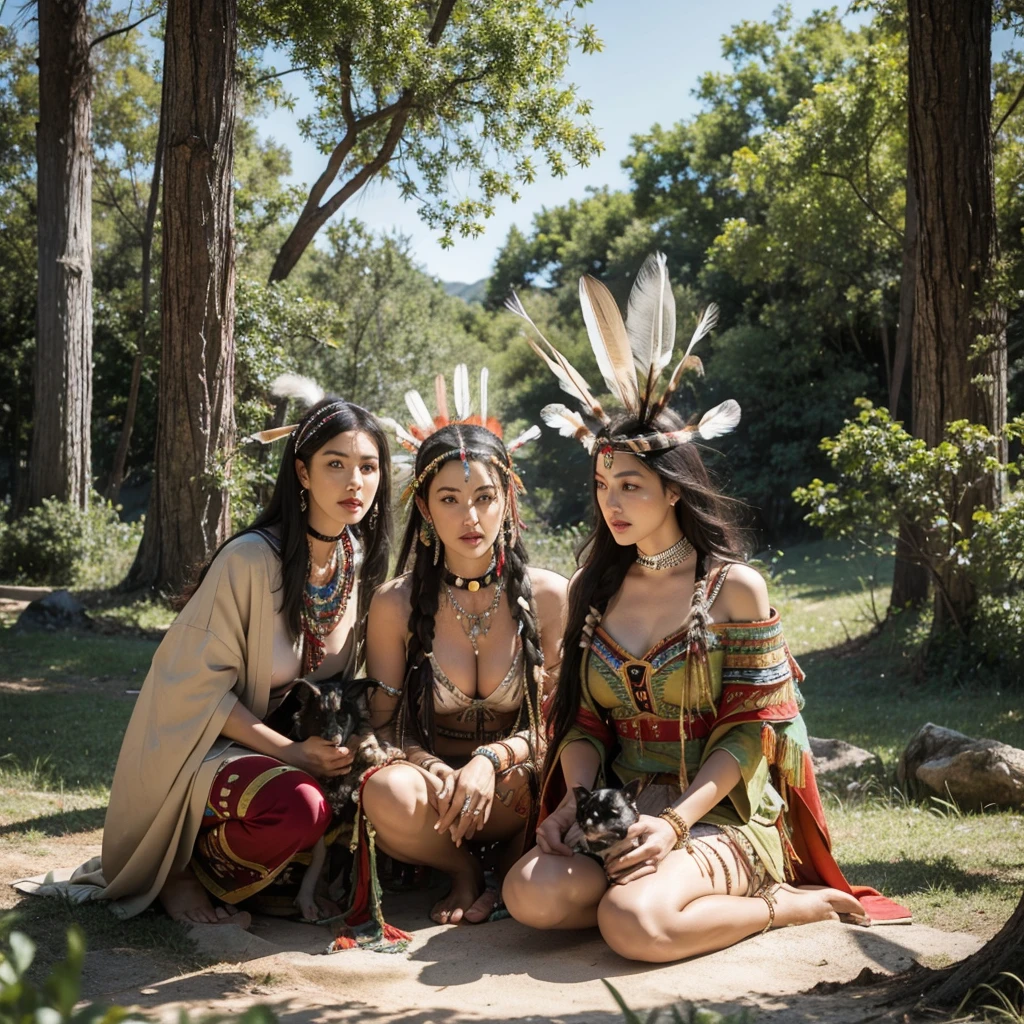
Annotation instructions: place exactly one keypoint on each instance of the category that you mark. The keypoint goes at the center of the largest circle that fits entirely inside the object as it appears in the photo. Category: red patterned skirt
(260, 816)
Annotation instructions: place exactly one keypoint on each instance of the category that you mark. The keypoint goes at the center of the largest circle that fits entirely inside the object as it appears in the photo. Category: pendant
(473, 586)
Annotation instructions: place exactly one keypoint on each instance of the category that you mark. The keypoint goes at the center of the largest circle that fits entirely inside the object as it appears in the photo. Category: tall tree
(59, 461)
(958, 341)
(188, 509)
(418, 90)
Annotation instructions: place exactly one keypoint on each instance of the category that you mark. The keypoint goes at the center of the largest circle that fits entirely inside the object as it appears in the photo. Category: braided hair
(706, 519)
(416, 709)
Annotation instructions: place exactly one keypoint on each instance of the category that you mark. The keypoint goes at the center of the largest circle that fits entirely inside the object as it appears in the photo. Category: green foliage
(58, 544)
(686, 1014)
(482, 97)
(22, 1002)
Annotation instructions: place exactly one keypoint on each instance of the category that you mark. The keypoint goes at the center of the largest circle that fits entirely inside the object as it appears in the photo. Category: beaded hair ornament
(632, 355)
(308, 393)
(423, 425)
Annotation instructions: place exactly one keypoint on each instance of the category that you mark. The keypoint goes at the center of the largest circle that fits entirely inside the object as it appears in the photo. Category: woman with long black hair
(209, 803)
(676, 680)
(463, 641)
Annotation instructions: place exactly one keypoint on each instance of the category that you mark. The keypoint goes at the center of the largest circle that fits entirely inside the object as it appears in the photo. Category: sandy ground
(496, 972)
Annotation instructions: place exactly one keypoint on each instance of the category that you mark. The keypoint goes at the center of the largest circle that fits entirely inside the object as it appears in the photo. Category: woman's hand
(441, 786)
(471, 800)
(319, 757)
(551, 831)
(657, 840)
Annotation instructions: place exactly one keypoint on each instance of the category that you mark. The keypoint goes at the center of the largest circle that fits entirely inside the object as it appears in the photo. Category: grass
(63, 709)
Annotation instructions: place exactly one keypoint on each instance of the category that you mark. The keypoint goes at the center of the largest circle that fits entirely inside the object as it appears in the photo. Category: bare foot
(185, 899)
(461, 896)
(806, 905)
(482, 908)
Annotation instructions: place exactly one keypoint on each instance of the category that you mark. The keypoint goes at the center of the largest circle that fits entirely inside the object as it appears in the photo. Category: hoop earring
(302, 499)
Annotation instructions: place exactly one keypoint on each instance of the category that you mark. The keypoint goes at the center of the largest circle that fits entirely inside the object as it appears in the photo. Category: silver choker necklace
(675, 555)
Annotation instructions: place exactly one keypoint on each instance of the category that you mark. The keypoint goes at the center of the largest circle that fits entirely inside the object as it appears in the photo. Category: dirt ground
(496, 972)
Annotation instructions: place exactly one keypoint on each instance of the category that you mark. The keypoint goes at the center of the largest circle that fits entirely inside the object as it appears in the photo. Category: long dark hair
(707, 519)
(417, 706)
(284, 511)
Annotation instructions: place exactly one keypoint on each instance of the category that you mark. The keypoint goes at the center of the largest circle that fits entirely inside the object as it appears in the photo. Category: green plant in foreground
(690, 1014)
(54, 1002)
(1006, 1009)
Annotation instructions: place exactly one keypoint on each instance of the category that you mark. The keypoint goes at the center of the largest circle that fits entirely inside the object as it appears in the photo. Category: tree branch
(281, 74)
(857, 192)
(119, 31)
(1013, 107)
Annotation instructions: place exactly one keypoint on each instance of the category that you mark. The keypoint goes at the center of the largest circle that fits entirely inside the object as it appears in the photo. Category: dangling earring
(499, 563)
(302, 499)
(373, 516)
(437, 547)
(426, 533)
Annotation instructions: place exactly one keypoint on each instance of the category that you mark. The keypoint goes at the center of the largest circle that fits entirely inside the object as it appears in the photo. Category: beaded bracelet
(679, 826)
(490, 755)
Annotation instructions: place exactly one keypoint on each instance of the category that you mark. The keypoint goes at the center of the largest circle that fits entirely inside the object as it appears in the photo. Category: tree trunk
(188, 507)
(121, 455)
(59, 459)
(909, 577)
(949, 93)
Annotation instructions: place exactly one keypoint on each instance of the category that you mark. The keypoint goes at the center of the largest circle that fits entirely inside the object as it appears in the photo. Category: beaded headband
(631, 356)
(293, 385)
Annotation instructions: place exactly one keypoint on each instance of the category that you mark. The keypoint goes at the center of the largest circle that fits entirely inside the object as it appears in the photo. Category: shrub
(58, 544)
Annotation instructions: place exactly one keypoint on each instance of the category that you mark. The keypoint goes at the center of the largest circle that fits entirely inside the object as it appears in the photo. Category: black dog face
(333, 710)
(605, 815)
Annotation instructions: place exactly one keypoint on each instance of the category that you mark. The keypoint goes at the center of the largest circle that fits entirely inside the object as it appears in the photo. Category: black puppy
(605, 816)
(338, 711)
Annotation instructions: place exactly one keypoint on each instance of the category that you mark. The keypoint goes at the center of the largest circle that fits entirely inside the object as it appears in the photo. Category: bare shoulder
(547, 585)
(391, 601)
(744, 596)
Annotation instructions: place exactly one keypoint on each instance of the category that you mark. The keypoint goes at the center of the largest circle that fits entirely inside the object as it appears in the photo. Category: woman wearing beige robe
(285, 598)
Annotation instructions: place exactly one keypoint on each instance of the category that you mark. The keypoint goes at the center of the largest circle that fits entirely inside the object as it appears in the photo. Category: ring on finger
(465, 805)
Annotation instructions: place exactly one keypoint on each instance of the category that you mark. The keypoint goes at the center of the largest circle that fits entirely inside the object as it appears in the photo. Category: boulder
(975, 773)
(57, 610)
(838, 764)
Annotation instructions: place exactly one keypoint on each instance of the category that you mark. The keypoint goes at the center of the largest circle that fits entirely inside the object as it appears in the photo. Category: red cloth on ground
(260, 813)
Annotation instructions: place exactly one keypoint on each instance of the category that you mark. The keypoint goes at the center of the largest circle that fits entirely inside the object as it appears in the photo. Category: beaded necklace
(324, 606)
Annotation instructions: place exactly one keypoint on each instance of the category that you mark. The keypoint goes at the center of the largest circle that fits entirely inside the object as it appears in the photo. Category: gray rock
(58, 610)
(838, 764)
(975, 773)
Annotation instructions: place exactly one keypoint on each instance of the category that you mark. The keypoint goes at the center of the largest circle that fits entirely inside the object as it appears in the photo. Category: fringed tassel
(789, 854)
(769, 744)
(789, 760)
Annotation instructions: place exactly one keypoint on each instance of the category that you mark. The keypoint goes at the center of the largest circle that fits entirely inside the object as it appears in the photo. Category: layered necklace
(475, 624)
(667, 559)
(325, 598)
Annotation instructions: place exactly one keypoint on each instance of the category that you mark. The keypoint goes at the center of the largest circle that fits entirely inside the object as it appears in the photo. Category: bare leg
(395, 801)
(683, 910)
(543, 890)
(506, 826)
(306, 899)
(185, 899)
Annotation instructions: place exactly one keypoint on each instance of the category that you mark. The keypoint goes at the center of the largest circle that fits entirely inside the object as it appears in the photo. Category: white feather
(568, 423)
(418, 410)
(400, 432)
(461, 383)
(651, 319)
(530, 434)
(707, 323)
(569, 378)
(720, 420)
(402, 467)
(294, 385)
(484, 374)
(609, 341)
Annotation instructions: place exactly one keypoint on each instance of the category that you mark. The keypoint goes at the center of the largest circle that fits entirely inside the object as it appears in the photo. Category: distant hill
(475, 292)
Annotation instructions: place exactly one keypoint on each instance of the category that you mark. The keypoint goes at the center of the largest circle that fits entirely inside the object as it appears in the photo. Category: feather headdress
(424, 424)
(632, 357)
(305, 390)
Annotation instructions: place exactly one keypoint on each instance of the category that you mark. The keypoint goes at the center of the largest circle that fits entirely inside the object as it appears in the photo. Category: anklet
(769, 898)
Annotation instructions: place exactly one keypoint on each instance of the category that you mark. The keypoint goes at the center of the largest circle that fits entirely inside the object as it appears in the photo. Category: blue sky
(654, 52)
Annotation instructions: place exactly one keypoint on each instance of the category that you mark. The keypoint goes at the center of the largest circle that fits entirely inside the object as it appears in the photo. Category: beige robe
(218, 652)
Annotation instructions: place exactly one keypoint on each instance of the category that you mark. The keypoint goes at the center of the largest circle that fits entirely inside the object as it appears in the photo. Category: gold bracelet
(681, 829)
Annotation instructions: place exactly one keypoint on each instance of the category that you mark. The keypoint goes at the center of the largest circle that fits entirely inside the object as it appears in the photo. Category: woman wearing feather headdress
(676, 674)
(463, 641)
(209, 803)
